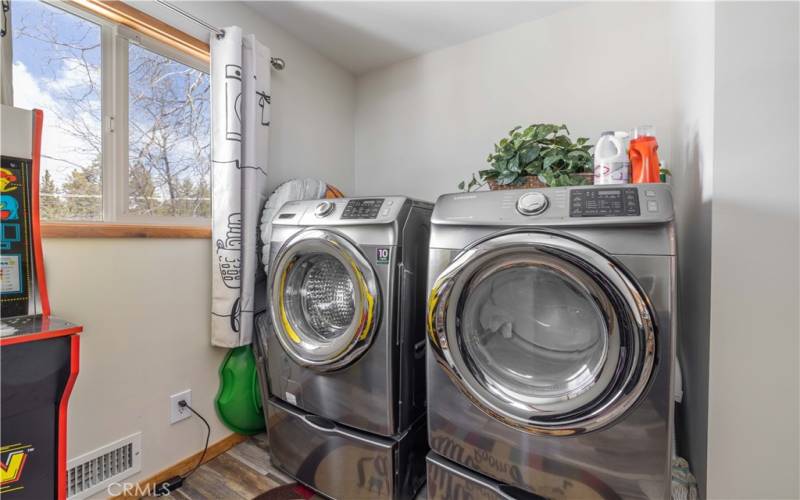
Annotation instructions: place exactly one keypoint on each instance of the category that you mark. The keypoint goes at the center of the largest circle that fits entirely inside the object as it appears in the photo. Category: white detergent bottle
(611, 162)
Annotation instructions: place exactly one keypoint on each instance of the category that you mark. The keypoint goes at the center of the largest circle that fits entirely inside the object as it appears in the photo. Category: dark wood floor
(241, 473)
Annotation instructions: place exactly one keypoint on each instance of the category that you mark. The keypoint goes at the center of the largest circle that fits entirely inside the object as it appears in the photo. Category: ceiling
(362, 36)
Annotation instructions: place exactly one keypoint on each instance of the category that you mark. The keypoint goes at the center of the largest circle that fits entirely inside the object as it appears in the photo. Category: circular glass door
(323, 298)
(542, 332)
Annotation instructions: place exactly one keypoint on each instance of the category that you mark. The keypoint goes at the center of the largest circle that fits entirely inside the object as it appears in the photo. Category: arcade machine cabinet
(38, 352)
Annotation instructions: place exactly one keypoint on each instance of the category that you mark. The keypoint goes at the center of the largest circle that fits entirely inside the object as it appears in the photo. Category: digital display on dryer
(623, 202)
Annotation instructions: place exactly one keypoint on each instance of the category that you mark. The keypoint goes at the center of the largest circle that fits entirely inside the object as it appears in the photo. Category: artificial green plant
(544, 150)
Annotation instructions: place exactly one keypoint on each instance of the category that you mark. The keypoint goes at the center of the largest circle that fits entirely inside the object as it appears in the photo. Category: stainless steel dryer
(551, 323)
(345, 354)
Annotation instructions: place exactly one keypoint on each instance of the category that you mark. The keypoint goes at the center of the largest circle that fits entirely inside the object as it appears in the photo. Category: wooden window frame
(106, 230)
(121, 14)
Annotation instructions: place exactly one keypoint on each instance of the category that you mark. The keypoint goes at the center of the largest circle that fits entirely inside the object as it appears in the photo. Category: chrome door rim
(358, 336)
(626, 375)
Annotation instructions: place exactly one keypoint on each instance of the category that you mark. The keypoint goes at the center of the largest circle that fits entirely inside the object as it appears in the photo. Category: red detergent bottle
(643, 153)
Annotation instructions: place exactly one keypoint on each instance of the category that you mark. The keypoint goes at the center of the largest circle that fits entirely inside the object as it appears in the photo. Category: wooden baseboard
(185, 465)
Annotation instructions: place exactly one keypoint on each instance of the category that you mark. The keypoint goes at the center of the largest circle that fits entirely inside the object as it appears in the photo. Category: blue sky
(71, 29)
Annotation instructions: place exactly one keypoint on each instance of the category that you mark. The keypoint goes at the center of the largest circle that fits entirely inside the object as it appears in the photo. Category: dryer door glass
(543, 332)
(535, 331)
(324, 299)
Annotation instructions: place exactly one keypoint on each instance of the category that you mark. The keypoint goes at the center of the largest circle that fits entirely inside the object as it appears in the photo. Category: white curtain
(240, 115)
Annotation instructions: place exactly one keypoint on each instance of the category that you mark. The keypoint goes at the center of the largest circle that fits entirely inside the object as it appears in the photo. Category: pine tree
(83, 194)
(141, 189)
(50, 207)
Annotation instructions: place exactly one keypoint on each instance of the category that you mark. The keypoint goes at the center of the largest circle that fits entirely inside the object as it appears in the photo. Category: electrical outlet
(176, 412)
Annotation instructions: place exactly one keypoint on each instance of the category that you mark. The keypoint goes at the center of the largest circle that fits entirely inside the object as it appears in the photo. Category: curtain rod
(277, 62)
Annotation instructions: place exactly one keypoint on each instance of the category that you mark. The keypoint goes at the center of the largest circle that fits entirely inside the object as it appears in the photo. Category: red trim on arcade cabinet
(40, 336)
(36, 230)
(61, 458)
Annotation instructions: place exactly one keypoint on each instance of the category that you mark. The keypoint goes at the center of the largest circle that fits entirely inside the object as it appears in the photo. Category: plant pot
(533, 182)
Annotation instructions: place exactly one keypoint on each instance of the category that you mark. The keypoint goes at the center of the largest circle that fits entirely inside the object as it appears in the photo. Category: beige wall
(754, 384)
(425, 124)
(692, 158)
(146, 303)
(145, 307)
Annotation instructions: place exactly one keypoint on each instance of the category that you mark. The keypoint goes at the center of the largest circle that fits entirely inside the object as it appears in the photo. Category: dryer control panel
(558, 206)
(611, 202)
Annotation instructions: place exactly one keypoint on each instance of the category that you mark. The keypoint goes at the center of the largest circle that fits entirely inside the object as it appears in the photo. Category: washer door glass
(535, 332)
(324, 299)
(319, 298)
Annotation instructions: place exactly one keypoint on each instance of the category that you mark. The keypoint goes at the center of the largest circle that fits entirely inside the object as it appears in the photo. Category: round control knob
(532, 203)
(324, 208)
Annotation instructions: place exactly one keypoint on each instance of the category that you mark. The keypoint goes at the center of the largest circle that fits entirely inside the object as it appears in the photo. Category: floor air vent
(96, 470)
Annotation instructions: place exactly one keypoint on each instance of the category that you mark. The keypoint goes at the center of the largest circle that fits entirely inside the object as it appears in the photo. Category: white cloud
(74, 74)
(30, 93)
(27, 93)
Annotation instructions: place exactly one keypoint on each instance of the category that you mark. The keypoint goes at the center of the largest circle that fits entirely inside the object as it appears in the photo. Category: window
(168, 137)
(131, 146)
(57, 59)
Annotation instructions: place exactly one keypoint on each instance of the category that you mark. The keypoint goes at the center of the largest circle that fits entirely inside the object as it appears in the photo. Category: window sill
(103, 230)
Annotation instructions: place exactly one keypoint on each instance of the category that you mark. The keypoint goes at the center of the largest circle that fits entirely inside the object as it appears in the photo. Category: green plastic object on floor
(239, 398)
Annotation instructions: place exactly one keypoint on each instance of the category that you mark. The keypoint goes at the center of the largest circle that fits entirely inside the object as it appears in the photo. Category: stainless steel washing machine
(345, 354)
(551, 321)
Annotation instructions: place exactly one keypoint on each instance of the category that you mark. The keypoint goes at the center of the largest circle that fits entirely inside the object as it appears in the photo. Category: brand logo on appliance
(12, 463)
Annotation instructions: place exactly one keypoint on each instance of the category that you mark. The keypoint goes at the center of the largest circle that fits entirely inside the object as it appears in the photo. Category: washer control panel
(362, 208)
(604, 202)
(532, 203)
(343, 211)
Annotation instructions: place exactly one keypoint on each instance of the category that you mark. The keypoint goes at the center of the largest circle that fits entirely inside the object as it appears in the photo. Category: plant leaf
(506, 178)
(577, 153)
(535, 168)
(513, 164)
(529, 154)
(551, 160)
